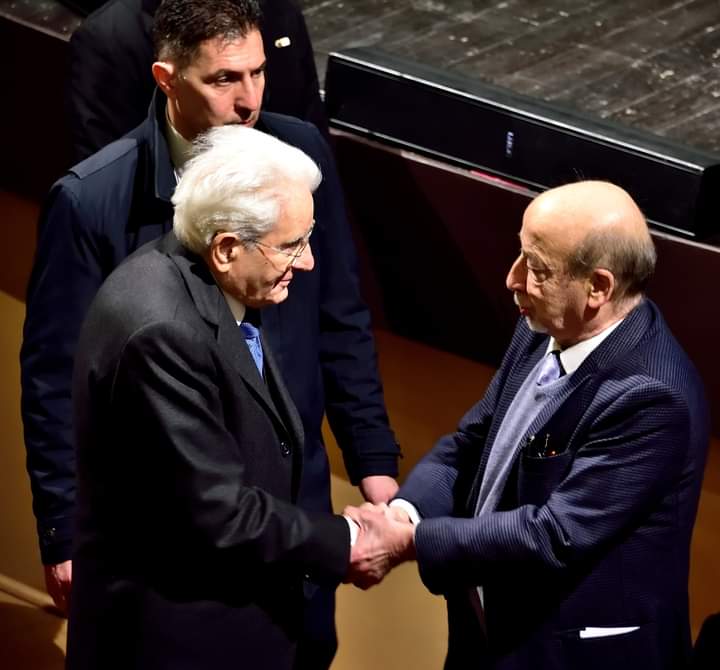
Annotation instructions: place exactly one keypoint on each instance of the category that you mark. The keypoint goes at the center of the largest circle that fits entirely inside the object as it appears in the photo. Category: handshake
(386, 538)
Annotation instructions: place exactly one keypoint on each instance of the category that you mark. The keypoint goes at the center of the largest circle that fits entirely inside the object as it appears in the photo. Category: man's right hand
(385, 540)
(58, 580)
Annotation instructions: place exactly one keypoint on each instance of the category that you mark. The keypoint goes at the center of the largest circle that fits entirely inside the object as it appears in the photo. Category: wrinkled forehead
(228, 51)
(549, 233)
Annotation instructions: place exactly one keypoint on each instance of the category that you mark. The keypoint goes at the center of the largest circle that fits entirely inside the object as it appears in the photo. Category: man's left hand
(378, 489)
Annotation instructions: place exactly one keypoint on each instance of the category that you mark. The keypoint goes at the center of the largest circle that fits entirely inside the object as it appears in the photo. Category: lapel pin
(281, 42)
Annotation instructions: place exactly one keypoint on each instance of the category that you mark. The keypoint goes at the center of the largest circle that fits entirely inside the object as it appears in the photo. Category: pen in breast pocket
(547, 450)
(532, 448)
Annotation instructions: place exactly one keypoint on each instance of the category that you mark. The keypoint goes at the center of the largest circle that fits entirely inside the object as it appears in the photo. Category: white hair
(237, 182)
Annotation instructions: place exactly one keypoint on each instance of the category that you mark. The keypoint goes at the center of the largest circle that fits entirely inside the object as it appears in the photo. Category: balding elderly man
(557, 519)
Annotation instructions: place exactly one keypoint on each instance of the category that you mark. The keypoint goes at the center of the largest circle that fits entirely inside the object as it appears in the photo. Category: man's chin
(249, 123)
(535, 326)
(279, 294)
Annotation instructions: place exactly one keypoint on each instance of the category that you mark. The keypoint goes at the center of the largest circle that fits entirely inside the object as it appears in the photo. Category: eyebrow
(532, 257)
(291, 244)
(299, 240)
(230, 72)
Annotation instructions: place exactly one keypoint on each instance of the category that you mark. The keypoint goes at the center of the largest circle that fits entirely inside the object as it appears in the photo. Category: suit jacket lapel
(518, 373)
(231, 342)
(213, 308)
(290, 415)
(627, 336)
(282, 397)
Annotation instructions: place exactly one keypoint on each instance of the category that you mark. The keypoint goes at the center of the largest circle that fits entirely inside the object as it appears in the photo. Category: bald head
(595, 224)
(585, 258)
(587, 206)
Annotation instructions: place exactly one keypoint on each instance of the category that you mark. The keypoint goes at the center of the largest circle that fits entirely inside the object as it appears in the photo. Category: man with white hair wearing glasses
(190, 549)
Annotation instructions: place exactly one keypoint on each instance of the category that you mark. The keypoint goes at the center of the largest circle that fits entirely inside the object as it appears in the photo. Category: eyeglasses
(292, 253)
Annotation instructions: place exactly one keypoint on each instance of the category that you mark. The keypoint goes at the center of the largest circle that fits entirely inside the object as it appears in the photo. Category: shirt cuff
(354, 530)
(408, 507)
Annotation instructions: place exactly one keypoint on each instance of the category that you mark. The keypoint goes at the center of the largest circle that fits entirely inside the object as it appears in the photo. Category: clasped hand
(385, 539)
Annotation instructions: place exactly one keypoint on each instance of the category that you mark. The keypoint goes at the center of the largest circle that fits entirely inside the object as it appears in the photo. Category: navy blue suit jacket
(595, 536)
(117, 200)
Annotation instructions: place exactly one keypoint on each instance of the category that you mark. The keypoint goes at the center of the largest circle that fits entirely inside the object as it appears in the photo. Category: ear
(222, 252)
(600, 288)
(164, 74)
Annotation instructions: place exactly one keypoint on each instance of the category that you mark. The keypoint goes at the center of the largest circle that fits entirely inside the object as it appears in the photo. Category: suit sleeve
(67, 273)
(443, 480)
(196, 475)
(354, 403)
(631, 458)
(110, 83)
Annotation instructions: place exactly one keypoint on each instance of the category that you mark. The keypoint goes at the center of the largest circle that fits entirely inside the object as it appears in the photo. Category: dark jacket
(190, 550)
(595, 536)
(111, 54)
(119, 199)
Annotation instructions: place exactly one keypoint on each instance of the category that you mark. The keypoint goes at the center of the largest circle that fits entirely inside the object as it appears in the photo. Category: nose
(515, 280)
(305, 261)
(248, 97)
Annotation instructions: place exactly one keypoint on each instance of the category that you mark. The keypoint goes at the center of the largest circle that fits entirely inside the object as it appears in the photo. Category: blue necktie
(551, 368)
(252, 339)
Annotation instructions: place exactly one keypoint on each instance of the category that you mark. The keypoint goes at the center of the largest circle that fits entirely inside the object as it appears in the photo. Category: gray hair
(237, 182)
(630, 258)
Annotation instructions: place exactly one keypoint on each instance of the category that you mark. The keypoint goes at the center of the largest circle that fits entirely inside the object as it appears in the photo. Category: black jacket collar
(164, 180)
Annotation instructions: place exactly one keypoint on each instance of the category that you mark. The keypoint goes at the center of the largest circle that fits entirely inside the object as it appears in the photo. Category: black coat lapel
(283, 401)
(290, 415)
(232, 344)
(213, 308)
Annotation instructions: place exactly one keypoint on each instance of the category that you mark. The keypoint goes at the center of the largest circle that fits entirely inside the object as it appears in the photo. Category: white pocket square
(601, 631)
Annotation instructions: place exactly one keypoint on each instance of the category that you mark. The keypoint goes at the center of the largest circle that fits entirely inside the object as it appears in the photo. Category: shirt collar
(236, 307)
(180, 148)
(572, 357)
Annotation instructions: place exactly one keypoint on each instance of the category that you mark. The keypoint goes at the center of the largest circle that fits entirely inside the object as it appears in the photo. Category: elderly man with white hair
(190, 550)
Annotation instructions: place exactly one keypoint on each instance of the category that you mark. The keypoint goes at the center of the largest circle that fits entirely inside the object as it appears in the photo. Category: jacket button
(284, 448)
(50, 533)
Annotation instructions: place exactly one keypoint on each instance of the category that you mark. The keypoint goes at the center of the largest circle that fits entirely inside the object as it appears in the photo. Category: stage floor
(651, 64)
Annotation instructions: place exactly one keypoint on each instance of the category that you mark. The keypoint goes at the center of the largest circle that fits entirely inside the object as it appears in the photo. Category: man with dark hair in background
(111, 53)
(210, 72)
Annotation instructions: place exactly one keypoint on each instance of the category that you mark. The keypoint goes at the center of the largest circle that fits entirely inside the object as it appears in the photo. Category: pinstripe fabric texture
(596, 535)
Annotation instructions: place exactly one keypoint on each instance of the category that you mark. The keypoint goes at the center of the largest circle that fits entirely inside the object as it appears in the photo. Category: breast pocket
(538, 477)
(636, 648)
